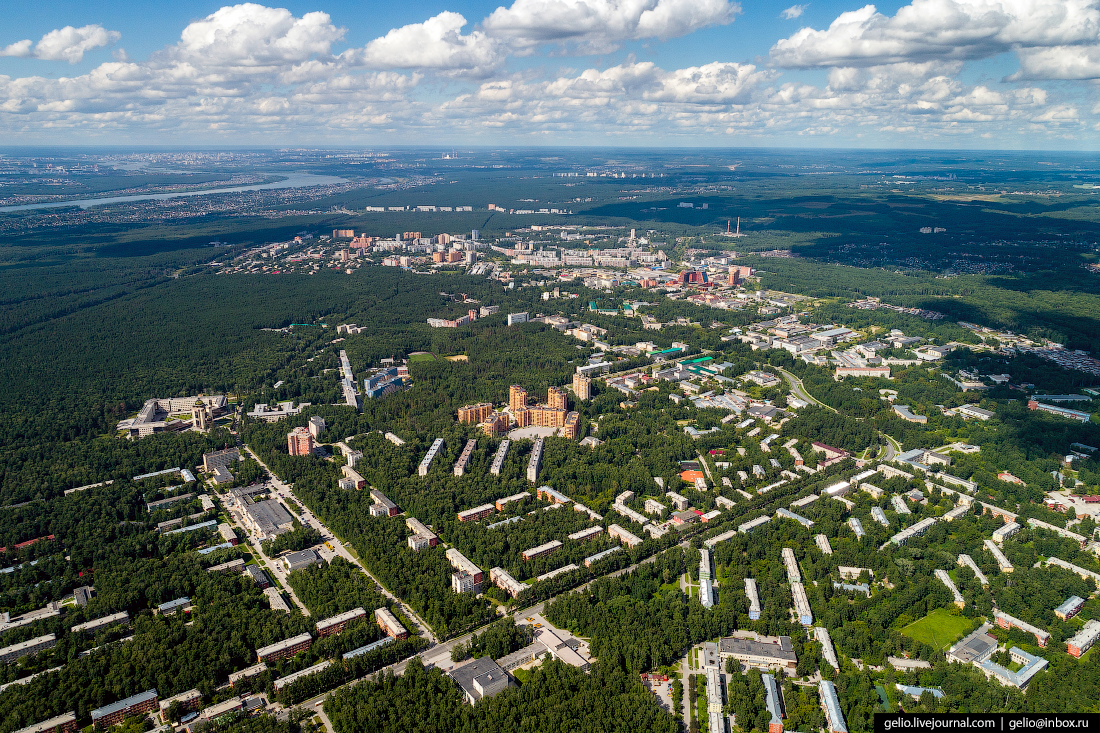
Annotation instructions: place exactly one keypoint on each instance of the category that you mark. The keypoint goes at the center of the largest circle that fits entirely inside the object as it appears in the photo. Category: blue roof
(123, 704)
(369, 647)
(918, 691)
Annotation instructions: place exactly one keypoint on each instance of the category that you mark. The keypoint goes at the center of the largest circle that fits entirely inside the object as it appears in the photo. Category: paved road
(284, 491)
(800, 390)
(893, 447)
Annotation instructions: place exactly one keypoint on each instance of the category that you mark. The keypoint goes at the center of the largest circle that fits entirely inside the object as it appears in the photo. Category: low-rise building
(754, 599)
(1069, 608)
(189, 702)
(300, 560)
(1005, 621)
(104, 622)
(769, 653)
(478, 512)
(624, 536)
(336, 624)
(593, 559)
(830, 703)
(1083, 640)
(114, 713)
(284, 649)
(389, 623)
(586, 534)
(480, 678)
(255, 669)
(504, 580)
(59, 724)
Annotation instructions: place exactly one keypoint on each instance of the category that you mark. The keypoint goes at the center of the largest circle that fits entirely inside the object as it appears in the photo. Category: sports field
(939, 629)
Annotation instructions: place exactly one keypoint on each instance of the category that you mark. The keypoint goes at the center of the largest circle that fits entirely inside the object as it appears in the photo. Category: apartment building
(300, 442)
(475, 414)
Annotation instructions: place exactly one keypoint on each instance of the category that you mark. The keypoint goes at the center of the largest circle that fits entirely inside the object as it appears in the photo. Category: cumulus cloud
(437, 43)
(940, 29)
(795, 11)
(598, 25)
(251, 35)
(715, 83)
(1058, 62)
(64, 44)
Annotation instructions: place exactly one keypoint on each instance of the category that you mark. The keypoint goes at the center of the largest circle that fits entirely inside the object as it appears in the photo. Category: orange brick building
(474, 414)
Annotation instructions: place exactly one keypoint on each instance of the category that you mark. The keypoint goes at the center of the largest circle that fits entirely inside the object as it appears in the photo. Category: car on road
(530, 618)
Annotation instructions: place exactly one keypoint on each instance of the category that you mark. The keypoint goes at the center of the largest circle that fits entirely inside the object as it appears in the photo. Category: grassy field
(939, 629)
(421, 356)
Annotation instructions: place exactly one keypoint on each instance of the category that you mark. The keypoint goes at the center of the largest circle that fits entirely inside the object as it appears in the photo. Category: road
(800, 390)
(284, 492)
(893, 447)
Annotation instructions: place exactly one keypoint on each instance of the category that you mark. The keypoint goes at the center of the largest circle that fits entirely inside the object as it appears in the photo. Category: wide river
(293, 180)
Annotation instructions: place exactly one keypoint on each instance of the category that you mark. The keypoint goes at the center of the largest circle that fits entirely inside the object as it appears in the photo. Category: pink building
(299, 442)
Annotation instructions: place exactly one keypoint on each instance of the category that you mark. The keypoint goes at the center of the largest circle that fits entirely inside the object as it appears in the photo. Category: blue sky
(1012, 74)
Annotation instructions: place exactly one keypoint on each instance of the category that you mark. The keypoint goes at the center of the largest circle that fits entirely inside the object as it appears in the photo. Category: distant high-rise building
(555, 397)
(299, 442)
(517, 397)
(316, 426)
(474, 234)
(582, 387)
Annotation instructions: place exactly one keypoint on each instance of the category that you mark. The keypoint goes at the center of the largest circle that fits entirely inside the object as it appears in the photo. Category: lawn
(939, 629)
(421, 356)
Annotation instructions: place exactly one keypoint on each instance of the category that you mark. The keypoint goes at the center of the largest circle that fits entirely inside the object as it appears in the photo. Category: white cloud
(795, 11)
(251, 35)
(940, 29)
(602, 25)
(64, 44)
(437, 43)
(1058, 62)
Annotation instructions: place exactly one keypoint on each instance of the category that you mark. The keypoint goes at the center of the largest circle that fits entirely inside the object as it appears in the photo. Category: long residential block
(114, 714)
(30, 646)
(390, 624)
(336, 624)
(544, 549)
(426, 464)
(285, 648)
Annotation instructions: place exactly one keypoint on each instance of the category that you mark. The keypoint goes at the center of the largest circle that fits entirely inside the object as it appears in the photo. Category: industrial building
(114, 714)
(284, 649)
(336, 624)
(426, 464)
(480, 678)
(389, 623)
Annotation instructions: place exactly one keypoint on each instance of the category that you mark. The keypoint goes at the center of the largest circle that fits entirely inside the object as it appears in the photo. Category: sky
(963, 74)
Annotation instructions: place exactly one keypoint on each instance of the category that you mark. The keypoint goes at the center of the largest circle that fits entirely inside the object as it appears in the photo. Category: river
(293, 180)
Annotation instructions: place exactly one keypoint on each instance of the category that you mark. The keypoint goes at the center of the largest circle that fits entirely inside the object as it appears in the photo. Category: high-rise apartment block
(496, 425)
(300, 442)
(571, 428)
(582, 387)
(474, 414)
(555, 397)
(517, 397)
